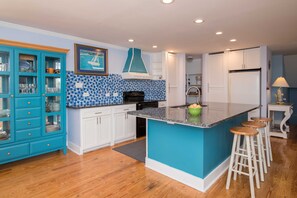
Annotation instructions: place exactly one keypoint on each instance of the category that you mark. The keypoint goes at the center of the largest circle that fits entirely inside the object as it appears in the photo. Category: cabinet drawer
(46, 145)
(28, 134)
(12, 152)
(91, 112)
(27, 123)
(27, 102)
(125, 108)
(27, 113)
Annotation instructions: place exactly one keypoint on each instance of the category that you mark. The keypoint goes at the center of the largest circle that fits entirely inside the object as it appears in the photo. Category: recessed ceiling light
(131, 40)
(233, 40)
(219, 33)
(171, 51)
(228, 49)
(155, 46)
(198, 20)
(167, 1)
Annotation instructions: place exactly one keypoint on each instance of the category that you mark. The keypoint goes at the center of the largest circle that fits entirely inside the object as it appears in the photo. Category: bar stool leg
(236, 157)
(248, 145)
(263, 151)
(269, 142)
(260, 149)
(231, 161)
(241, 157)
(255, 164)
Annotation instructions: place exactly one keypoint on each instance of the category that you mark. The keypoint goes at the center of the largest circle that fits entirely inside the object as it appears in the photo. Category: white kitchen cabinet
(215, 78)
(244, 59)
(124, 124)
(90, 129)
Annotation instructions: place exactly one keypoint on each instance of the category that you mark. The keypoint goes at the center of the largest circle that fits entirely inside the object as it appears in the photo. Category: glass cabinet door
(27, 73)
(6, 90)
(52, 95)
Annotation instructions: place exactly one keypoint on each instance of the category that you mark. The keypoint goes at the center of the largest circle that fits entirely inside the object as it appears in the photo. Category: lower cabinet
(93, 128)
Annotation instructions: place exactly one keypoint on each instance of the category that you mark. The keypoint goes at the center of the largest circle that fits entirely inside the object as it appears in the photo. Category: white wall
(194, 66)
(116, 55)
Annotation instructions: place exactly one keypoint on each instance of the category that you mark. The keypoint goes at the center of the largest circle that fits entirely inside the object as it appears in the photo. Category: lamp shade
(280, 82)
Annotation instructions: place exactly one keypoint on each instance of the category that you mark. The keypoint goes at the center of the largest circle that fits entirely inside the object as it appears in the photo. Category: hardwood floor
(107, 173)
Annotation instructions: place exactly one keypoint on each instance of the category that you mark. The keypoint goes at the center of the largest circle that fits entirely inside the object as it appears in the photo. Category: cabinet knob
(29, 123)
(43, 94)
(48, 144)
(11, 95)
(8, 153)
(29, 112)
(29, 102)
(29, 134)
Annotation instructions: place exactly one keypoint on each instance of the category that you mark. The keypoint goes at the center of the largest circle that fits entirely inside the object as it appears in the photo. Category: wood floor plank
(107, 173)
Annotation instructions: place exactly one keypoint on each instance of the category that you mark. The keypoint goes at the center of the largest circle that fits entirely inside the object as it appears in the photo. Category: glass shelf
(4, 61)
(28, 63)
(4, 107)
(52, 85)
(53, 123)
(52, 65)
(52, 103)
(28, 85)
(4, 84)
(4, 130)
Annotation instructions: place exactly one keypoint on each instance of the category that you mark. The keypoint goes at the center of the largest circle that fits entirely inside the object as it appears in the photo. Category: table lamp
(280, 82)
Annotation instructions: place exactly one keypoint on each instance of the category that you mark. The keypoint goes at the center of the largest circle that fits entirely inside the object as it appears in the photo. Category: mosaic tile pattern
(98, 86)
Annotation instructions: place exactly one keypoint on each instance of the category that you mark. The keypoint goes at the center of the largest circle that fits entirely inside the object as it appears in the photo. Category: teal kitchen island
(192, 150)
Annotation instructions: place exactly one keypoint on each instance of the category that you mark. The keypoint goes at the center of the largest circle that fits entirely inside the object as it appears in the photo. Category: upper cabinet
(244, 59)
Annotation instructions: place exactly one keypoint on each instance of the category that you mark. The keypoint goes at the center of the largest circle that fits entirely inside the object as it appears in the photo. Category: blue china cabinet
(32, 102)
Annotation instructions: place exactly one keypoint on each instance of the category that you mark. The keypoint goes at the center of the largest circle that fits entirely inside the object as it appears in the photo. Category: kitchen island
(192, 150)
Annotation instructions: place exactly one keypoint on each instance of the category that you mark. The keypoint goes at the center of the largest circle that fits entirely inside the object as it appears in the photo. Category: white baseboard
(74, 148)
(186, 178)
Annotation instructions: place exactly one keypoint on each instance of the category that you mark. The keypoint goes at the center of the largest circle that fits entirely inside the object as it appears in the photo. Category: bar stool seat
(261, 151)
(266, 137)
(248, 133)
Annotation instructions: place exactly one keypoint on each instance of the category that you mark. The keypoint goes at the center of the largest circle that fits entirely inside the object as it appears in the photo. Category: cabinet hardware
(97, 121)
(29, 112)
(100, 119)
(29, 134)
(126, 109)
(98, 112)
(43, 94)
(11, 95)
(29, 102)
(48, 144)
(29, 123)
(8, 153)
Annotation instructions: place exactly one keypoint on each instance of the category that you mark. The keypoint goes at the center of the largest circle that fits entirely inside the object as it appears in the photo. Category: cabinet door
(130, 126)
(105, 130)
(235, 60)
(252, 58)
(91, 132)
(27, 73)
(119, 125)
(6, 95)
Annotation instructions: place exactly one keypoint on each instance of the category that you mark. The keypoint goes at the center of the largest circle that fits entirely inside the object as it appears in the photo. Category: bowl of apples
(194, 109)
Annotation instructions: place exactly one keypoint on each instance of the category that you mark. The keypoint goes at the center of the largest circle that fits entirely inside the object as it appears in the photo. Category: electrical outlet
(79, 85)
(86, 94)
(115, 94)
(107, 94)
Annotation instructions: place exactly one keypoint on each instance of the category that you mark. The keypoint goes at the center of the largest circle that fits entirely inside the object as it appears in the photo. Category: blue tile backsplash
(98, 86)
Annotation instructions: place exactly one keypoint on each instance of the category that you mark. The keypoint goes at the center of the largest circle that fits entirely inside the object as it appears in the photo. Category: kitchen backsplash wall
(98, 86)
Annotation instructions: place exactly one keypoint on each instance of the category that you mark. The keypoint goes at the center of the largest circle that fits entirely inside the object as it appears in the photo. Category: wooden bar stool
(259, 126)
(248, 134)
(266, 137)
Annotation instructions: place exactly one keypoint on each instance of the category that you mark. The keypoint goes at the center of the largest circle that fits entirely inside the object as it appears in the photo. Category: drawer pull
(29, 112)
(29, 123)
(48, 144)
(29, 134)
(126, 109)
(8, 153)
(29, 102)
(98, 112)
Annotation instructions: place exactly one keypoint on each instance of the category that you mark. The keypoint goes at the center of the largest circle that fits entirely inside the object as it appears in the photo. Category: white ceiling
(171, 27)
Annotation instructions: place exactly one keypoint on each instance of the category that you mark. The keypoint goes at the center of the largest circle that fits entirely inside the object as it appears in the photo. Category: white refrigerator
(245, 88)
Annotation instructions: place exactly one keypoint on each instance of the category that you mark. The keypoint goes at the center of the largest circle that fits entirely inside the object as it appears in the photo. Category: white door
(235, 60)
(130, 126)
(172, 80)
(90, 131)
(252, 58)
(105, 130)
(119, 125)
(216, 79)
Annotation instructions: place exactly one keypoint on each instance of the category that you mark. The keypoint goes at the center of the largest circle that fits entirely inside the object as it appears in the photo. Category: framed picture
(90, 60)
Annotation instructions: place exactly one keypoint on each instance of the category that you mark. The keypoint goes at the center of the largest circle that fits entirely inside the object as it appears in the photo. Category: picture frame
(90, 60)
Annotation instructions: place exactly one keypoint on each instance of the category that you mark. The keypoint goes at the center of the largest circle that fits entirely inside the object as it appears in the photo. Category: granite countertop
(100, 105)
(211, 115)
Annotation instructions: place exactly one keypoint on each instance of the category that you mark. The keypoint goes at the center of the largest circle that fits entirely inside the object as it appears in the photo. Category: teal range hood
(134, 67)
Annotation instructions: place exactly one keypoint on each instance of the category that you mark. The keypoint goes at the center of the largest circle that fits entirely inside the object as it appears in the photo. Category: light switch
(86, 94)
(79, 85)
(107, 94)
(115, 94)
